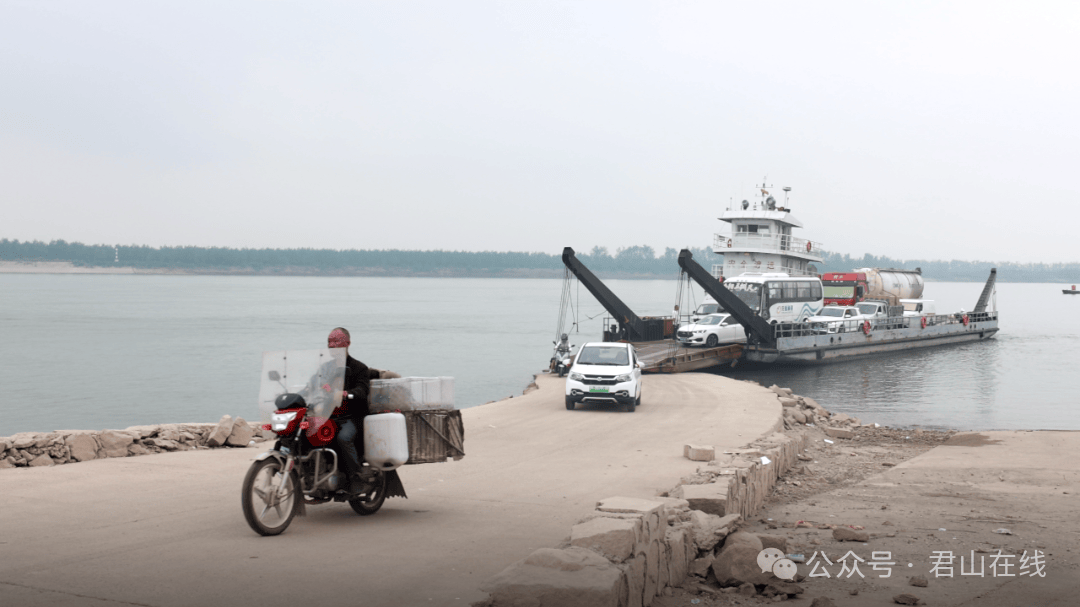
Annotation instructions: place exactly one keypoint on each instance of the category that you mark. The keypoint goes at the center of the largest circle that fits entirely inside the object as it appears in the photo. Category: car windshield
(709, 308)
(837, 312)
(604, 355)
(711, 320)
(868, 309)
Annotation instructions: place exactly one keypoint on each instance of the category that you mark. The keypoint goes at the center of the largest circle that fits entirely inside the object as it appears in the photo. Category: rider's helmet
(564, 337)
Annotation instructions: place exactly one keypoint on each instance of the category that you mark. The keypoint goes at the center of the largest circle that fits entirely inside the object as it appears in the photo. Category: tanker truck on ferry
(888, 285)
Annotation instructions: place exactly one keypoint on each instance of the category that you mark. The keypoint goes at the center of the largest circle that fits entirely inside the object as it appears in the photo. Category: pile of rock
(67, 446)
(622, 555)
(630, 550)
(734, 566)
(805, 410)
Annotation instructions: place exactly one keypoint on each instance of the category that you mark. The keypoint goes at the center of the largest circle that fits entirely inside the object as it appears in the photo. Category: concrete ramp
(167, 530)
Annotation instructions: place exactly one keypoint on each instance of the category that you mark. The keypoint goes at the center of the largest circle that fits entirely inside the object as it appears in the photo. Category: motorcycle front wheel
(267, 511)
(370, 502)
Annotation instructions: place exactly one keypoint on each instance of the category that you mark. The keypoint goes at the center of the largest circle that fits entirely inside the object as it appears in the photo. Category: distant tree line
(636, 262)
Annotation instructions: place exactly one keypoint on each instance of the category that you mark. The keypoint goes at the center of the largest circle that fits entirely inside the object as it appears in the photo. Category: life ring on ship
(729, 243)
(866, 327)
(966, 320)
(808, 247)
(924, 322)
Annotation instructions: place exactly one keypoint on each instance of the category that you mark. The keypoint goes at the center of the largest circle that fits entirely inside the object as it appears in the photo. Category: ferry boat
(762, 250)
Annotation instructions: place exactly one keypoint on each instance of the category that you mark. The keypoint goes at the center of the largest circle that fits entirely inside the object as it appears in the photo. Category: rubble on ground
(69, 446)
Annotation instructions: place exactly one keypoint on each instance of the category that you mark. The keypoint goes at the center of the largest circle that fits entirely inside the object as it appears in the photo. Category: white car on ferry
(605, 373)
(836, 319)
(779, 298)
(711, 331)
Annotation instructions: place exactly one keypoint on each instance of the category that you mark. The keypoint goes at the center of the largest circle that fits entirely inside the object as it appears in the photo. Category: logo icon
(772, 560)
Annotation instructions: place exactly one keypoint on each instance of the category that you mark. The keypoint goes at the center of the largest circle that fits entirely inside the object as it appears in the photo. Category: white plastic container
(386, 440)
(412, 394)
(447, 389)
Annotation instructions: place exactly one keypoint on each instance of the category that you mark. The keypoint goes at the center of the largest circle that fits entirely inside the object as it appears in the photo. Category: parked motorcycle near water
(302, 468)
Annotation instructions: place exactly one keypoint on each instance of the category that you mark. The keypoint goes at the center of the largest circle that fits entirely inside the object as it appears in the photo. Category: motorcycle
(302, 468)
(562, 353)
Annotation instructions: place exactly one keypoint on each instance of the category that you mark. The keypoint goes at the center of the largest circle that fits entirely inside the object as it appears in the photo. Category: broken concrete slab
(574, 577)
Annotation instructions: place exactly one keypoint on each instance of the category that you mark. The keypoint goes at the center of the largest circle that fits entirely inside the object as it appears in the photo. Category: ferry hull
(818, 349)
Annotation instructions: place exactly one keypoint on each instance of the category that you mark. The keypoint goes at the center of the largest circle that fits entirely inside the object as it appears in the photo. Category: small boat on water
(1071, 291)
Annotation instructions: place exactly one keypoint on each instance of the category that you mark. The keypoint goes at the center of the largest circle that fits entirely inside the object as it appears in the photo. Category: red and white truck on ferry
(861, 284)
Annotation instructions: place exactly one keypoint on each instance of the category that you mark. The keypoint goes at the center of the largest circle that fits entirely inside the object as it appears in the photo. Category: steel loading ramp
(631, 327)
(758, 331)
(670, 357)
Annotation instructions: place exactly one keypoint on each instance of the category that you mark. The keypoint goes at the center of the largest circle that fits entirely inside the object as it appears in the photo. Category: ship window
(741, 227)
(752, 229)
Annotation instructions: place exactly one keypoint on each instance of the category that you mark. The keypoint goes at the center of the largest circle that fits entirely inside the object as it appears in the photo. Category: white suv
(605, 373)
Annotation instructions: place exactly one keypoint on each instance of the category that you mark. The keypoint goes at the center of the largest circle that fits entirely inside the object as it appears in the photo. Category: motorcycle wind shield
(316, 375)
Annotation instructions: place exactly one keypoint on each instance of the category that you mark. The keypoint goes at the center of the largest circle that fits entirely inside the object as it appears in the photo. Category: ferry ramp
(671, 357)
(167, 530)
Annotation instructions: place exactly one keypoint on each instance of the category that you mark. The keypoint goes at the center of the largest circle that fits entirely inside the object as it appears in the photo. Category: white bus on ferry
(778, 297)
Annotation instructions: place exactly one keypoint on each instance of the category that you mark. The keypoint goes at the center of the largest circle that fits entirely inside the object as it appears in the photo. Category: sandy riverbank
(57, 267)
(923, 498)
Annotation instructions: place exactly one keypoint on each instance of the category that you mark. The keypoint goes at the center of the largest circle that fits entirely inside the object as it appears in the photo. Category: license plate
(598, 389)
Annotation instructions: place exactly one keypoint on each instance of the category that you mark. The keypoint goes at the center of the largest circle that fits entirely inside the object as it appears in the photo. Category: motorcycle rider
(358, 378)
(562, 350)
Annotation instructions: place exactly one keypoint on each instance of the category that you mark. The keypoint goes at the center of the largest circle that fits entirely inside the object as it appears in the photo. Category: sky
(914, 130)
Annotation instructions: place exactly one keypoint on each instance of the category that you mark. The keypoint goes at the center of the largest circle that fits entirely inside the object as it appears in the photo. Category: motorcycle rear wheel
(266, 512)
(368, 504)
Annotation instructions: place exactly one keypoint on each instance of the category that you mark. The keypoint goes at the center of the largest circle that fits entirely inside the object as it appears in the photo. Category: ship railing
(808, 329)
(780, 243)
(718, 270)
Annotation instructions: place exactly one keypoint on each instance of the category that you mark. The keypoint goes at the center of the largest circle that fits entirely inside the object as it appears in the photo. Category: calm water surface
(100, 351)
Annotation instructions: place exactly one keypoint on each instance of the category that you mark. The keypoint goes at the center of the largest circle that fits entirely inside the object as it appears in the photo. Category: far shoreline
(67, 267)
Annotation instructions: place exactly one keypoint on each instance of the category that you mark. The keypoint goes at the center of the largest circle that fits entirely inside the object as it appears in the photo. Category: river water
(109, 351)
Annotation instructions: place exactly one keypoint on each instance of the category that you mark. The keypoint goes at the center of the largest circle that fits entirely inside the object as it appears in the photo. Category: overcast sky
(943, 130)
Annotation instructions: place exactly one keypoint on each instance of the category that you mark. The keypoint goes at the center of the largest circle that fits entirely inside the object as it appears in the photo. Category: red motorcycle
(302, 468)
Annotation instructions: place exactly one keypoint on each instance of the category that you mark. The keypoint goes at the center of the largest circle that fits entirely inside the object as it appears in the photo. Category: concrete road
(166, 530)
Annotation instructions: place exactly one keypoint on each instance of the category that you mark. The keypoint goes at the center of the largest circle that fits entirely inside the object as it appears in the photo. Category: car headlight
(577, 376)
(622, 378)
(699, 332)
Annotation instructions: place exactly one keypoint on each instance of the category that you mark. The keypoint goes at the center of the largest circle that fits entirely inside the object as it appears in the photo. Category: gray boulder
(41, 460)
(241, 434)
(115, 443)
(737, 562)
(221, 432)
(82, 447)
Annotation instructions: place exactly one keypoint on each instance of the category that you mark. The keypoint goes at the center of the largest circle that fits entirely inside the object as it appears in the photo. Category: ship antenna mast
(764, 193)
